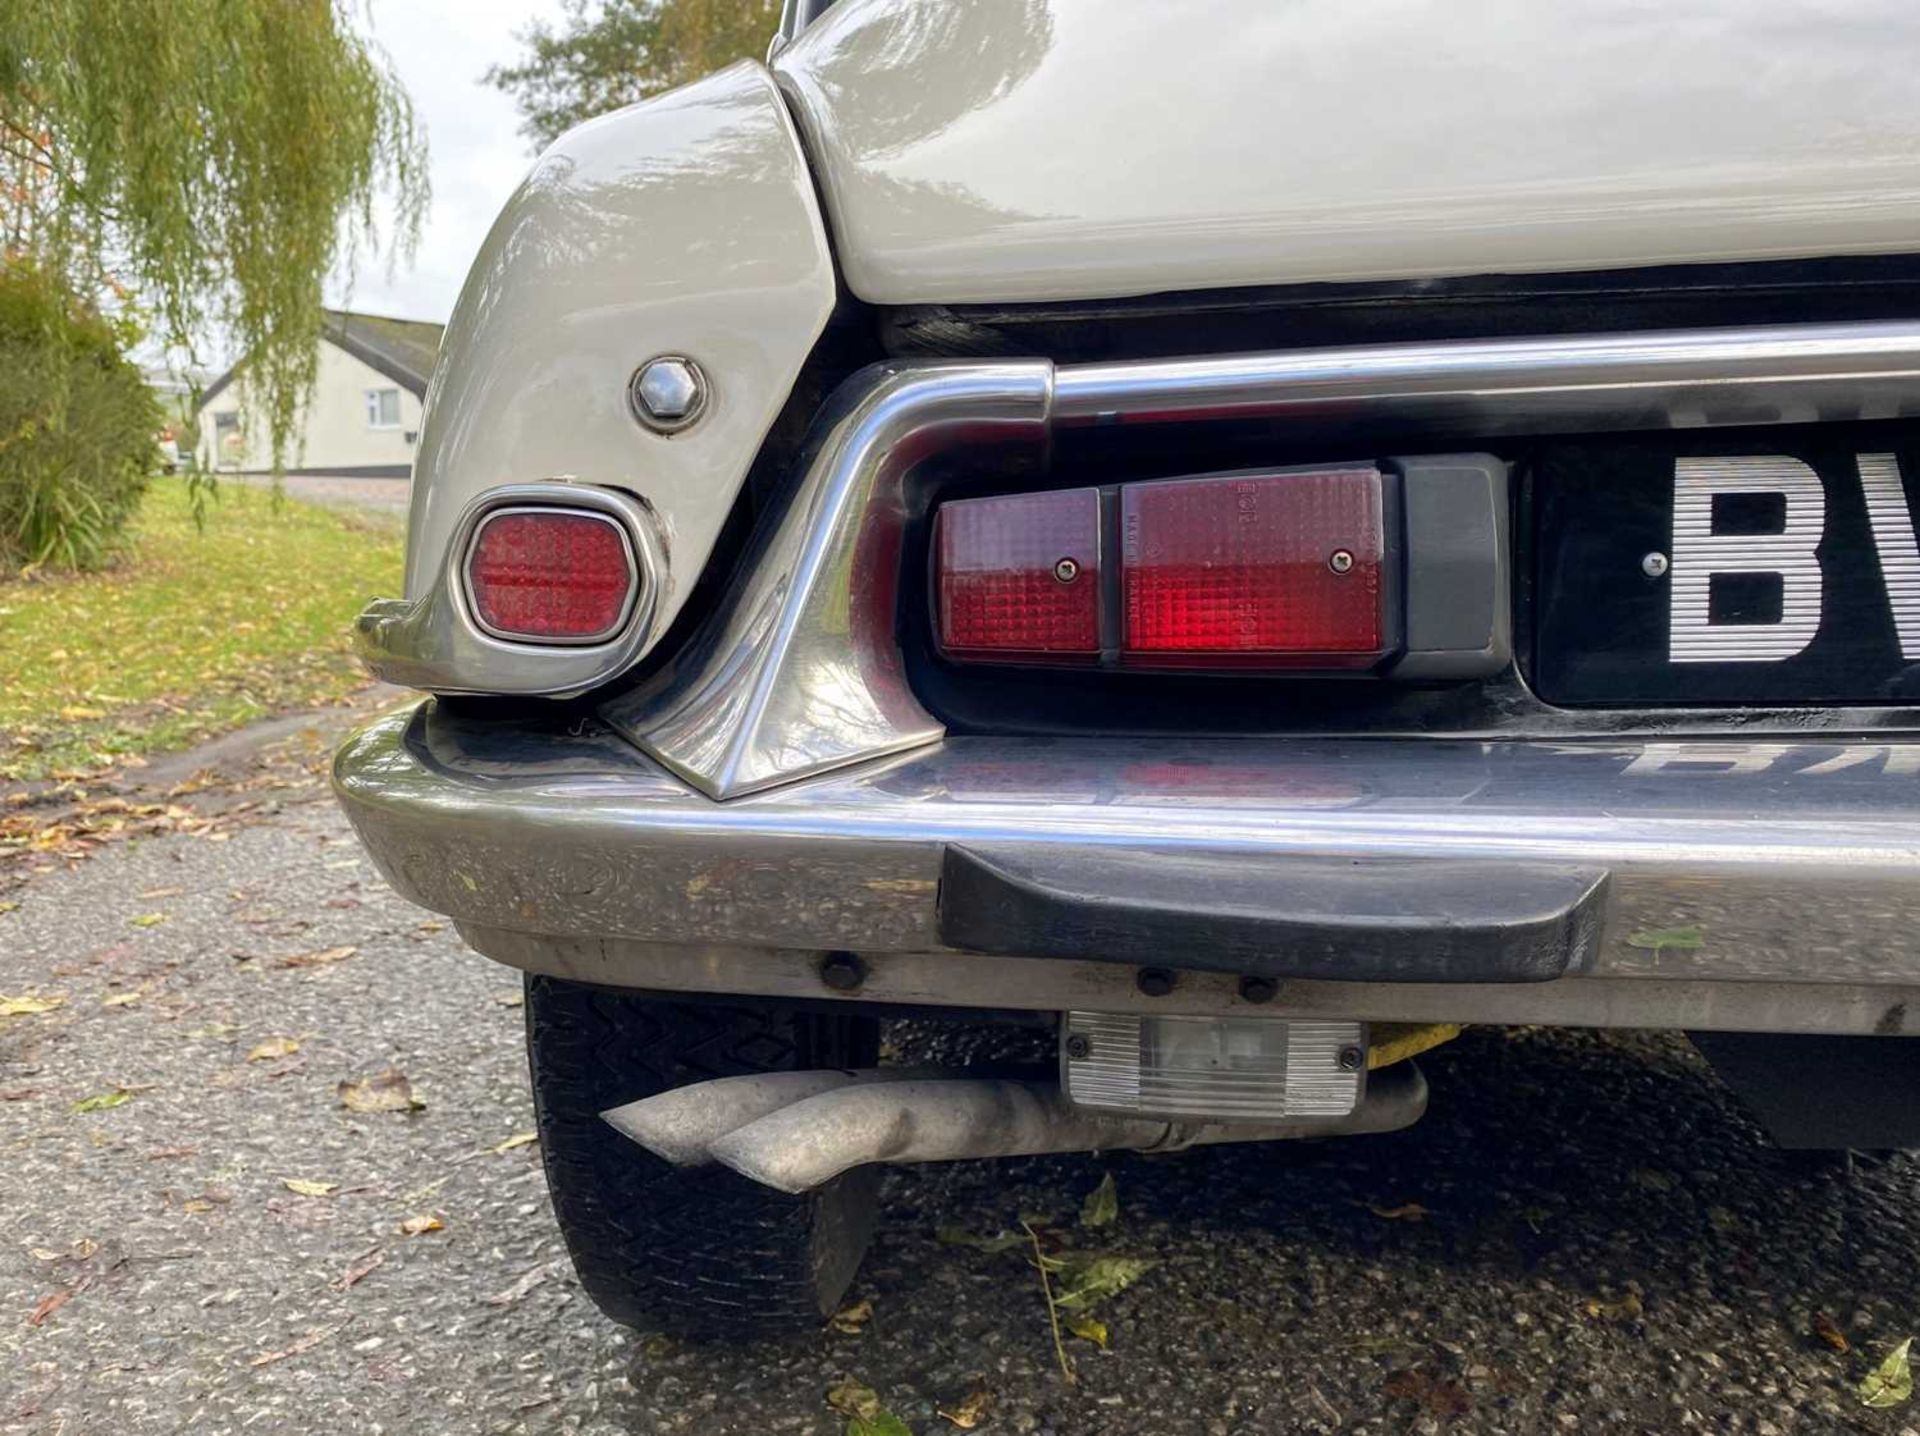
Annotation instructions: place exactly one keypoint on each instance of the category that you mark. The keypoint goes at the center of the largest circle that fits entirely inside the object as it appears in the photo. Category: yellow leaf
(518, 1139)
(969, 1413)
(122, 999)
(1089, 1329)
(421, 1225)
(102, 1101)
(388, 1091)
(309, 1189)
(850, 1320)
(148, 919)
(1102, 1206)
(1087, 1279)
(1891, 1382)
(27, 1006)
(1626, 1308)
(273, 1047)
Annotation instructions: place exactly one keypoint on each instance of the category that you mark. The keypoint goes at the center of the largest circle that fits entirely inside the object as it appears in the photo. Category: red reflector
(1019, 577)
(550, 575)
(1281, 569)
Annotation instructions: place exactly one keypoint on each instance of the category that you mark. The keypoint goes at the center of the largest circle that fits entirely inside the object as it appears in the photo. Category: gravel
(1585, 1235)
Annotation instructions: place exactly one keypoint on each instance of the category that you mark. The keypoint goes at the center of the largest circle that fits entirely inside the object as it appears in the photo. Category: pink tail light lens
(1282, 569)
(550, 576)
(1285, 571)
(1018, 579)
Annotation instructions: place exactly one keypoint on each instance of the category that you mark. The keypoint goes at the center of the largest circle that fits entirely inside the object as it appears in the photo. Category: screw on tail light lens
(1267, 570)
(1017, 579)
(550, 575)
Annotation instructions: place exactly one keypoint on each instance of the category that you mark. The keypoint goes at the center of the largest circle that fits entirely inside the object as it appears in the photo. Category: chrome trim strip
(1763, 862)
(801, 672)
(437, 643)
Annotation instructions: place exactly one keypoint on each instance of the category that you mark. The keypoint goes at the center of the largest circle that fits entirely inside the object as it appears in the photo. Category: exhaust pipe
(681, 1124)
(862, 1118)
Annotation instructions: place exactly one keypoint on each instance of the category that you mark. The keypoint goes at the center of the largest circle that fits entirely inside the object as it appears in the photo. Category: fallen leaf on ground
(961, 1237)
(9, 906)
(1625, 1308)
(421, 1225)
(387, 1091)
(273, 1047)
(1405, 1212)
(300, 1186)
(510, 999)
(1086, 1279)
(306, 1343)
(865, 1415)
(1891, 1382)
(360, 1271)
(323, 958)
(101, 1101)
(430, 925)
(850, 1320)
(529, 1279)
(1089, 1328)
(213, 1029)
(1828, 1330)
(969, 1413)
(1437, 1396)
(49, 1304)
(518, 1139)
(1102, 1206)
(148, 919)
(28, 1006)
(155, 894)
(122, 999)
(1661, 939)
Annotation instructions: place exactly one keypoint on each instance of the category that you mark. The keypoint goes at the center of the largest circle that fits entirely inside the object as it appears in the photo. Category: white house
(363, 417)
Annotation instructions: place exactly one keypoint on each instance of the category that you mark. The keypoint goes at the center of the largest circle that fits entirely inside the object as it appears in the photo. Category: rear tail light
(551, 575)
(1281, 570)
(1019, 577)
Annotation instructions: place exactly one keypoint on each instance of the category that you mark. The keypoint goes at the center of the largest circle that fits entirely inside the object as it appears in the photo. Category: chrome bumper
(1766, 886)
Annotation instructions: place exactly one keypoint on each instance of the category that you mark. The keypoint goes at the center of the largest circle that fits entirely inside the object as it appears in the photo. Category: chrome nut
(667, 394)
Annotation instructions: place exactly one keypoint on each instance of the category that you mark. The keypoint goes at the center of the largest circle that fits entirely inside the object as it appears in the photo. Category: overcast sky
(441, 48)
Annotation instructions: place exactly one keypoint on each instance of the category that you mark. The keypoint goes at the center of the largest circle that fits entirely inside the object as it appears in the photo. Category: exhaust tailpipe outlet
(859, 1119)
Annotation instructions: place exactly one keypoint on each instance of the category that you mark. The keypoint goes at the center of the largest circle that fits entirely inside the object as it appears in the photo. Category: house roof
(401, 349)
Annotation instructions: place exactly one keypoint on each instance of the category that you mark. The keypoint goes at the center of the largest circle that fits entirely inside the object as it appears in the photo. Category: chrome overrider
(799, 673)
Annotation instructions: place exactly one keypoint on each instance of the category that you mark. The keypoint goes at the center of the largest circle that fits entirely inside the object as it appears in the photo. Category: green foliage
(205, 164)
(609, 53)
(77, 426)
(196, 631)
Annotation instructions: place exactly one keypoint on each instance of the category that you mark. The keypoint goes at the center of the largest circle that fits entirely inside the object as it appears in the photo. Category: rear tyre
(696, 1251)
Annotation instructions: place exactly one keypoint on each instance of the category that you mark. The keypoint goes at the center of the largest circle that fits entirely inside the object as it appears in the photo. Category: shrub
(77, 425)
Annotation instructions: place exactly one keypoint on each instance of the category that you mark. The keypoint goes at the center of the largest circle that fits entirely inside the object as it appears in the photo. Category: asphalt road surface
(1585, 1234)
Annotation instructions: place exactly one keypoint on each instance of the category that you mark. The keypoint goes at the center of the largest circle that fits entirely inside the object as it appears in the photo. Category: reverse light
(1018, 578)
(551, 575)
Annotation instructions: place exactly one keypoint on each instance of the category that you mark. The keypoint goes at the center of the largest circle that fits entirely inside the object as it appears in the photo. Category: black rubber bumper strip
(1358, 920)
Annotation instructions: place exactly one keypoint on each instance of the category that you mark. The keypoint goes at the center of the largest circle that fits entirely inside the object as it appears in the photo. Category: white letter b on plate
(1699, 553)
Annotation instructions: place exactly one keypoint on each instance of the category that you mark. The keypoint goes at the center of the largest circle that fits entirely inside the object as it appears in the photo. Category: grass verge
(194, 634)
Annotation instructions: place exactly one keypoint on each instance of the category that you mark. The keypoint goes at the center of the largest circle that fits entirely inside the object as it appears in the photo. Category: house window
(383, 408)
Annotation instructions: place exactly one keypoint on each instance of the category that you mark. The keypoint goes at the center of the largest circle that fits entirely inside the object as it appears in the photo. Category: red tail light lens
(1018, 578)
(550, 575)
(1285, 570)
(1281, 569)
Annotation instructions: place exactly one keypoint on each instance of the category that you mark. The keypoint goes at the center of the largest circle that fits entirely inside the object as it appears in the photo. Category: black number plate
(1775, 568)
